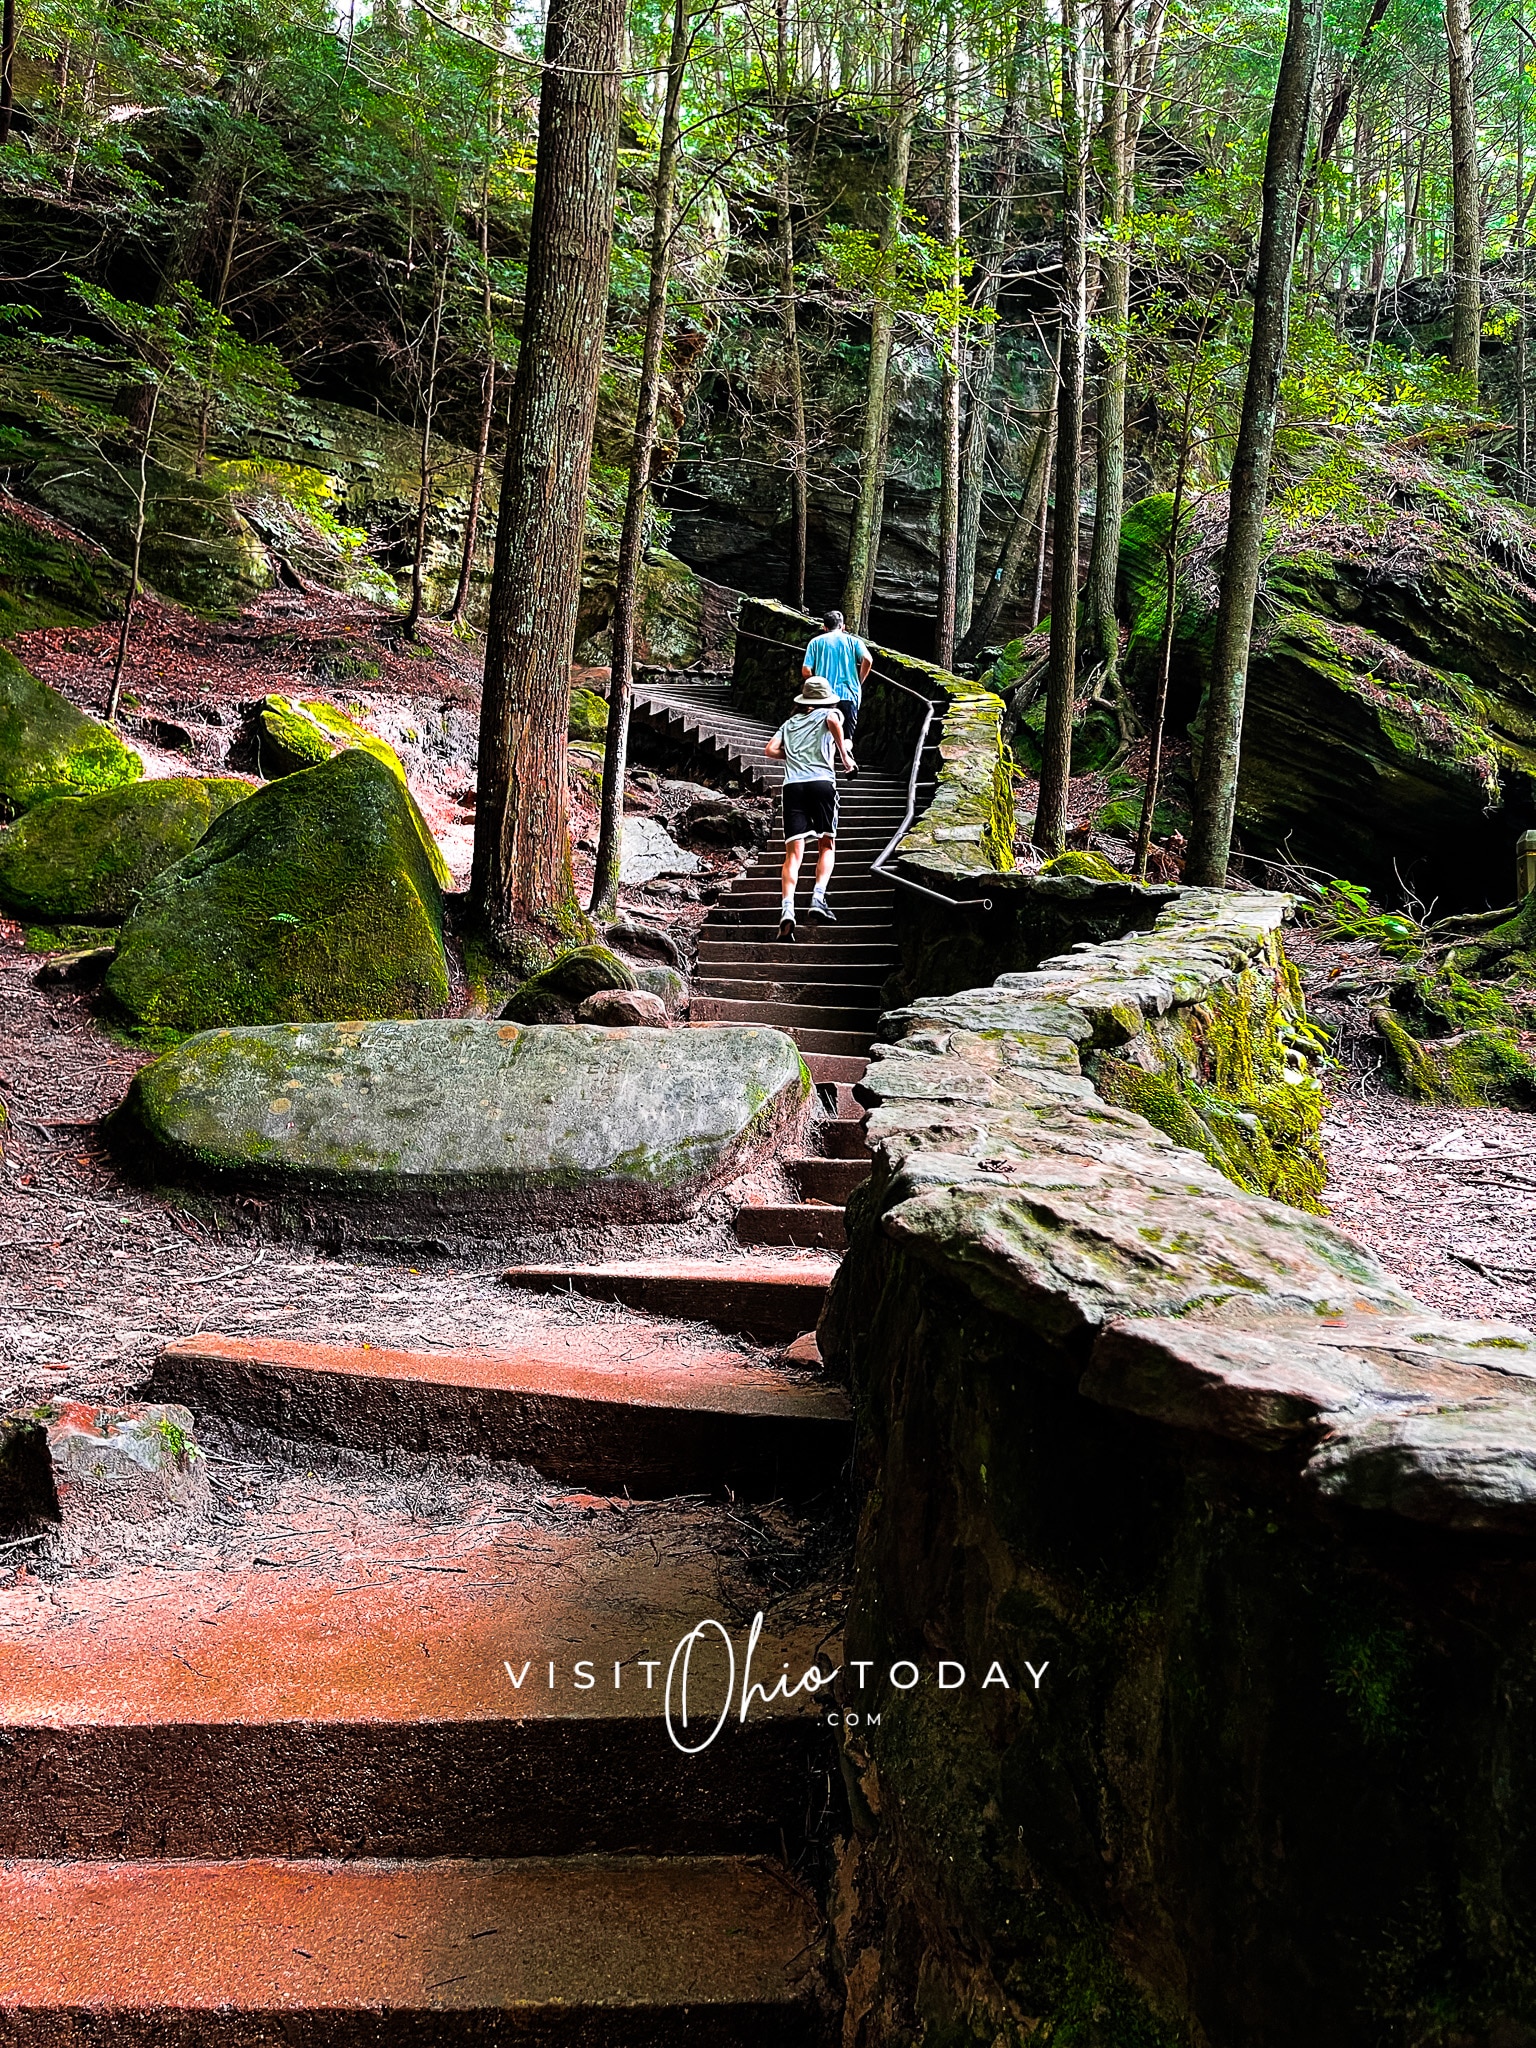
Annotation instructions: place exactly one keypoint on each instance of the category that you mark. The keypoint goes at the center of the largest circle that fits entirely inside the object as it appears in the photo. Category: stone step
(807, 1223)
(842, 1068)
(832, 963)
(344, 1692)
(621, 1951)
(617, 1410)
(765, 1298)
(763, 988)
(786, 1016)
(830, 1179)
(843, 1137)
(757, 923)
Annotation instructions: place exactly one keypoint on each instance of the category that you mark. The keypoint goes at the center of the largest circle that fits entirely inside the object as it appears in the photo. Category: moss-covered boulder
(89, 857)
(552, 996)
(1094, 867)
(1466, 1067)
(1390, 726)
(289, 735)
(465, 1117)
(315, 898)
(48, 748)
(589, 716)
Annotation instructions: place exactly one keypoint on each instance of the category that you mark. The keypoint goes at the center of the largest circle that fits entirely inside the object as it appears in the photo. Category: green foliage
(1344, 910)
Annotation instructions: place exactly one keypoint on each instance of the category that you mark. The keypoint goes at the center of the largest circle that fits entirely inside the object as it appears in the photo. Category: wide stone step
(334, 1695)
(756, 922)
(832, 962)
(785, 1016)
(844, 1137)
(828, 1180)
(762, 1298)
(613, 1951)
(762, 988)
(853, 1044)
(842, 1068)
(615, 1410)
(807, 1223)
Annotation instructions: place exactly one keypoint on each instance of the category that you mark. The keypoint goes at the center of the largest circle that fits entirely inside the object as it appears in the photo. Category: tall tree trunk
(789, 322)
(412, 622)
(1061, 675)
(864, 542)
(140, 515)
(1109, 496)
(626, 591)
(1248, 490)
(521, 887)
(7, 69)
(1466, 194)
(1011, 555)
(487, 413)
(949, 342)
(981, 355)
(1045, 515)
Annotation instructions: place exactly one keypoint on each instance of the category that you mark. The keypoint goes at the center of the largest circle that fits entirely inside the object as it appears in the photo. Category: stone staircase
(300, 1803)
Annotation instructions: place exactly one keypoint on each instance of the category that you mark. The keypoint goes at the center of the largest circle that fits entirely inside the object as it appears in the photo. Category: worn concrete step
(830, 964)
(633, 1411)
(829, 1179)
(759, 921)
(343, 1690)
(844, 1137)
(763, 987)
(786, 1016)
(590, 1952)
(807, 1223)
(761, 1297)
(842, 1068)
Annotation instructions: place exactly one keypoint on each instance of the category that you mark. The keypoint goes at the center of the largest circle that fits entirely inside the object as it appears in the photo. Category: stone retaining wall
(1268, 1525)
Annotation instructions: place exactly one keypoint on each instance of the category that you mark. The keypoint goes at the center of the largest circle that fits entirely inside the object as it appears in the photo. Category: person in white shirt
(805, 745)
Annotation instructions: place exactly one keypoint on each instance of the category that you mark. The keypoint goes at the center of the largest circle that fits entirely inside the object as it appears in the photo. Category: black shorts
(810, 810)
(848, 712)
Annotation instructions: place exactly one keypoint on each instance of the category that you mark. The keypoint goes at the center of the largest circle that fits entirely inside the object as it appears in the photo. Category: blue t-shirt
(836, 656)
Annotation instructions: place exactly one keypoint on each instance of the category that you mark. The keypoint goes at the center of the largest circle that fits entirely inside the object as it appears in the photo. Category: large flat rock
(474, 1117)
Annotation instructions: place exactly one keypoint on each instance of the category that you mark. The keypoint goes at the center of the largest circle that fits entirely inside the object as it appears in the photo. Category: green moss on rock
(588, 717)
(551, 996)
(89, 857)
(313, 899)
(294, 735)
(48, 748)
(1085, 862)
(1470, 1068)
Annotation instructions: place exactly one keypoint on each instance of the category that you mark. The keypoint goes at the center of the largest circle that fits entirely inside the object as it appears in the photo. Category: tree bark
(1061, 675)
(626, 593)
(864, 542)
(1109, 497)
(1248, 490)
(7, 69)
(949, 403)
(521, 888)
(487, 414)
(131, 602)
(412, 622)
(1011, 555)
(982, 355)
(1466, 194)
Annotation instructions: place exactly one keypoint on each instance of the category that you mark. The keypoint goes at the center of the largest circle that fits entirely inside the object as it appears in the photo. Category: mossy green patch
(588, 716)
(48, 748)
(89, 857)
(315, 898)
(1085, 862)
(294, 735)
(1470, 1067)
(550, 996)
(46, 580)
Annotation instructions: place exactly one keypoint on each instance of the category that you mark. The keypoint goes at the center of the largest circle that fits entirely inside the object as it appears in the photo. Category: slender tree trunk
(1109, 497)
(140, 514)
(789, 322)
(7, 69)
(1248, 491)
(982, 353)
(864, 543)
(1338, 106)
(487, 414)
(1045, 517)
(1061, 675)
(1466, 194)
(521, 884)
(949, 341)
(610, 835)
(412, 624)
(1011, 555)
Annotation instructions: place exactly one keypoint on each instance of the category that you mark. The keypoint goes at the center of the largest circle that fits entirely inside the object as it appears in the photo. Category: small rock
(665, 982)
(650, 850)
(623, 1006)
(551, 997)
(718, 821)
(649, 941)
(80, 1465)
(83, 968)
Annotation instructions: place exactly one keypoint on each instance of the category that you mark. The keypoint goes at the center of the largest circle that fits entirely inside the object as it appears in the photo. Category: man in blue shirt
(844, 661)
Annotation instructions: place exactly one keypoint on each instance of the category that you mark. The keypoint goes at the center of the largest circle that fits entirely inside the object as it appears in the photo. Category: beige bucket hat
(818, 695)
